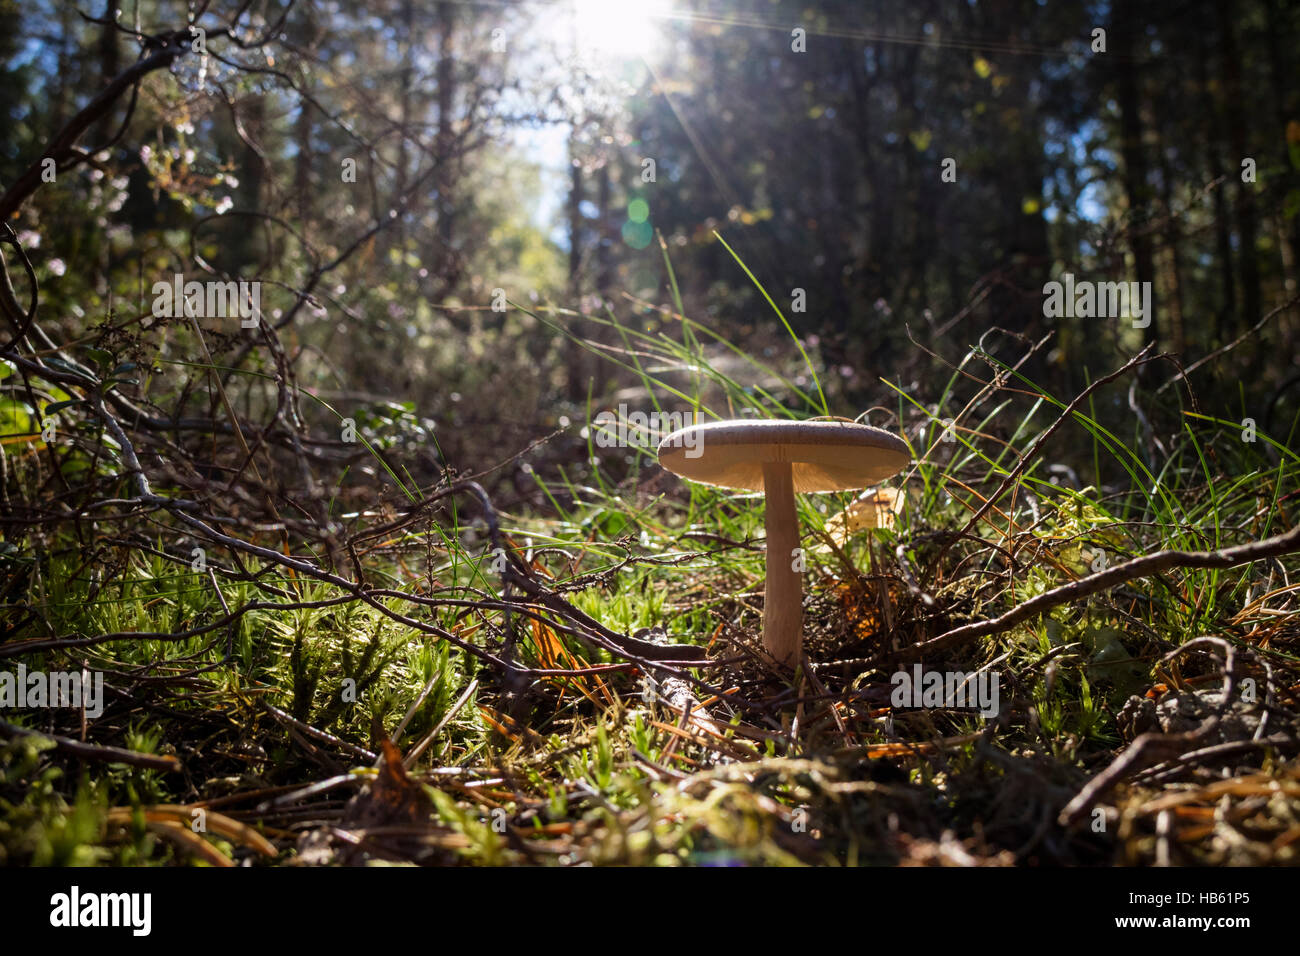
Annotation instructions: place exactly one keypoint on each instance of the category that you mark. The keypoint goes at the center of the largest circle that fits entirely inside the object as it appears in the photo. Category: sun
(619, 29)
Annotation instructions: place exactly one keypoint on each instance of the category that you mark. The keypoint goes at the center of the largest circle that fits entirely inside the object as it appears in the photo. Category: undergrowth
(414, 701)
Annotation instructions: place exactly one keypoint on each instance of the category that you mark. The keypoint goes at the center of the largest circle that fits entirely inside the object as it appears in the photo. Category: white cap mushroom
(780, 458)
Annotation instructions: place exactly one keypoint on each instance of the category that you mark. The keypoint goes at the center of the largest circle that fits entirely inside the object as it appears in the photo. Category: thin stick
(409, 760)
(1014, 474)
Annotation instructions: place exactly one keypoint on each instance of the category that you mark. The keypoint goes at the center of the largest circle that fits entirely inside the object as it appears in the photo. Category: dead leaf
(874, 508)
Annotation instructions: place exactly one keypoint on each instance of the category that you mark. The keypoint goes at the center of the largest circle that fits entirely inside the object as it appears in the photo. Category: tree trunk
(1225, 315)
(1244, 204)
(448, 262)
(1127, 31)
(110, 64)
(576, 384)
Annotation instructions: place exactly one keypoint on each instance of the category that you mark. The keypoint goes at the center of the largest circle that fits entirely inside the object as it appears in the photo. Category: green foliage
(39, 826)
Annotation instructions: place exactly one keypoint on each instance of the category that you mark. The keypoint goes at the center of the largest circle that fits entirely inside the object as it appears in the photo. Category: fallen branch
(1150, 748)
(1141, 567)
(166, 49)
(99, 752)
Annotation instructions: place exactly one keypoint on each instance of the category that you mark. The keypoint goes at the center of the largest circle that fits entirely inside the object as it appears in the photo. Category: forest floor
(449, 683)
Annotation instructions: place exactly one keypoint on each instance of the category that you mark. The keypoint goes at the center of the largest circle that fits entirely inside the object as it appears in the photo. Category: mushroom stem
(783, 598)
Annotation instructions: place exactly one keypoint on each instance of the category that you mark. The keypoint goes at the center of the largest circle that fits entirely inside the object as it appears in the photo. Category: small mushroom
(781, 458)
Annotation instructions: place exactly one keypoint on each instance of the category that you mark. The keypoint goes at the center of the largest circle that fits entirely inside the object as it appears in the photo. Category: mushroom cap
(825, 456)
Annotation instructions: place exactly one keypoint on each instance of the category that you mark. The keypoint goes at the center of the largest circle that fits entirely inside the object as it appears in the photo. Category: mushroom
(781, 458)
